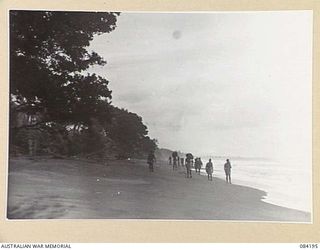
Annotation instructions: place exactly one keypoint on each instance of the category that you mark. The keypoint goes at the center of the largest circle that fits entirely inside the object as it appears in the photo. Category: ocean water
(287, 185)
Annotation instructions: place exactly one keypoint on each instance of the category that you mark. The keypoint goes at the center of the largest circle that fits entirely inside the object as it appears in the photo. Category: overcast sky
(215, 83)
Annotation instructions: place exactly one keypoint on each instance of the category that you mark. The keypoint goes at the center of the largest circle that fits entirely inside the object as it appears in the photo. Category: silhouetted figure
(227, 170)
(175, 159)
(198, 164)
(209, 169)
(189, 160)
(151, 161)
(170, 160)
(178, 160)
(182, 161)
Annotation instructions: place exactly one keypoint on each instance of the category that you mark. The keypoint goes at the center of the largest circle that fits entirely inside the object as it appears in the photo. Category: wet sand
(74, 189)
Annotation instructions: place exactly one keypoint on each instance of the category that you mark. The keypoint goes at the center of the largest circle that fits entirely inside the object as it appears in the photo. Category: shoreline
(268, 199)
(287, 185)
(75, 189)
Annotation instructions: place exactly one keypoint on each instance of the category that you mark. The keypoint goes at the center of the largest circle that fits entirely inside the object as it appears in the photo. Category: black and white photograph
(160, 115)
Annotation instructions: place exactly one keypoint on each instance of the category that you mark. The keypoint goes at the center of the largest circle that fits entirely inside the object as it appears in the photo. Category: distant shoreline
(165, 153)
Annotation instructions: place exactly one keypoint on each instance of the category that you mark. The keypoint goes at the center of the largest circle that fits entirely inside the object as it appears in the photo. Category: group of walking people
(189, 163)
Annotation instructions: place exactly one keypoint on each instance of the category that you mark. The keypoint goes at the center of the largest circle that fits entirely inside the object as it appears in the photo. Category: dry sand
(74, 189)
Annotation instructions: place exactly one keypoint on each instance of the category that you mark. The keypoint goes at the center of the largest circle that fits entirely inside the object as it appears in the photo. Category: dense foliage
(130, 134)
(55, 104)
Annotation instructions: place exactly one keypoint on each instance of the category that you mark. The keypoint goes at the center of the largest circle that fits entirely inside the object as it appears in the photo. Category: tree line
(56, 106)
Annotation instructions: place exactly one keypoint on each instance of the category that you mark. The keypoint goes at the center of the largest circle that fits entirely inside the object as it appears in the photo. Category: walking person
(227, 170)
(196, 164)
(174, 159)
(199, 165)
(189, 159)
(151, 160)
(209, 169)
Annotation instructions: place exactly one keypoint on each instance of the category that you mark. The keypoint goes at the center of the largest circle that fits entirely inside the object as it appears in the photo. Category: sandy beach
(77, 189)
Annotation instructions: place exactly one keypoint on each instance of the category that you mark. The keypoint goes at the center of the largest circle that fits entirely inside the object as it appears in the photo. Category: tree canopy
(129, 132)
(48, 60)
(52, 92)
